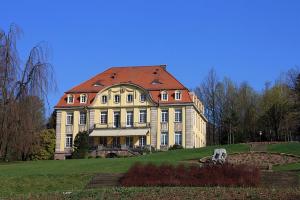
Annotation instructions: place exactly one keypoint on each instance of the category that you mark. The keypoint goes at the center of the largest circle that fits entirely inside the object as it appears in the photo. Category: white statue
(219, 156)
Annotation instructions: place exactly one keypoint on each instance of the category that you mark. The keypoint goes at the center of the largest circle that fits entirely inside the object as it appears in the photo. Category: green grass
(69, 175)
(289, 148)
(50, 177)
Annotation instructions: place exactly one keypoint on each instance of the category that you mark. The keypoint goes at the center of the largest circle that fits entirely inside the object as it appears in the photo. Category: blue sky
(251, 41)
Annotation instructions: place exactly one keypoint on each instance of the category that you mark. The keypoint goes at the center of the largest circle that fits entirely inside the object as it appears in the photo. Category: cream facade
(126, 116)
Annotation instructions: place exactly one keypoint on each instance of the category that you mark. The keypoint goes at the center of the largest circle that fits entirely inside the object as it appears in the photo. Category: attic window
(83, 98)
(70, 99)
(164, 96)
(177, 95)
(155, 82)
(113, 76)
(97, 84)
(156, 71)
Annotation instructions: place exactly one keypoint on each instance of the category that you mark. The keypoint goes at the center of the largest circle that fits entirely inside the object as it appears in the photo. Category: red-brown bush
(169, 175)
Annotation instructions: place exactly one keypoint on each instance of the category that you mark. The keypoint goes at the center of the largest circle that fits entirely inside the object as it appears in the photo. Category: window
(129, 98)
(83, 98)
(129, 119)
(177, 95)
(178, 138)
(70, 99)
(143, 97)
(116, 119)
(104, 99)
(164, 96)
(103, 141)
(69, 119)
(69, 140)
(103, 117)
(82, 118)
(117, 98)
(164, 139)
(143, 116)
(129, 141)
(178, 115)
(164, 116)
(142, 141)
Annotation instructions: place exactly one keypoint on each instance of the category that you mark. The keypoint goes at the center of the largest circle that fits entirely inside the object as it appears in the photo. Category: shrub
(81, 145)
(175, 146)
(46, 148)
(169, 175)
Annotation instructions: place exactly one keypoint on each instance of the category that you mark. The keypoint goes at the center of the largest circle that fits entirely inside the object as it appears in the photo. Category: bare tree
(207, 92)
(22, 92)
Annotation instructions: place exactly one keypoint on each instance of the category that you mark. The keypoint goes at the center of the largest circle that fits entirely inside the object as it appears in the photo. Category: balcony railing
(164, 126)
(69, 129)
(177, 126)
(121, 126)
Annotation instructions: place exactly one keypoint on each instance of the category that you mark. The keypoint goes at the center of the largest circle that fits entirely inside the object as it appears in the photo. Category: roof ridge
(138, 66)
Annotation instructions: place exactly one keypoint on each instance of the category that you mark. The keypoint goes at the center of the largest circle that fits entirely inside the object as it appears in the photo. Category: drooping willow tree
(23, 91)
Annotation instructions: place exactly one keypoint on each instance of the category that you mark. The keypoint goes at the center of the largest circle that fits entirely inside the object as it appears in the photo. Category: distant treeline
(238, 113)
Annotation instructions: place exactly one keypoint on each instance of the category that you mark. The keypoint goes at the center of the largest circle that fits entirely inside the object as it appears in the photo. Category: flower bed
(169, 175)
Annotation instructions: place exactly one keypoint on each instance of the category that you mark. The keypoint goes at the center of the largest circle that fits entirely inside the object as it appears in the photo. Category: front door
(129, 141)
(103, 141)
(116, 142)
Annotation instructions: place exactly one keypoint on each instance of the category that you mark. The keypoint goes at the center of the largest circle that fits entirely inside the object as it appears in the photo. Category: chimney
(164, 67)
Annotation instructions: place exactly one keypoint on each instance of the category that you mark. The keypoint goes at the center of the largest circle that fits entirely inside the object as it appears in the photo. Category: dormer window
(83, 98)
(117, 98)
(129, 98)
(104, 99)
(177, 95)
(70, 99)
(164, 96)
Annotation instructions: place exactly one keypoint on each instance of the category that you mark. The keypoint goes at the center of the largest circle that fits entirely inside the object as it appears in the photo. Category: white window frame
(69, 114)
(178, 94)
(127, 98)
(164, 139)
(164, 96)
(114, 114)
(143, 97)
(119, 98)
(68, 99)
(83, 96)
(178, 115)
(129, 123)
(69, 141)
(143, 112)
(80, 118)
(103, 113)
(102, 98)
(142, 141)
(178, 136)
(165, 116)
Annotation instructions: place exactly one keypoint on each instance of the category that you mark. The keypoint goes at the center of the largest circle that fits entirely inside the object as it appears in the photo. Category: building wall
(193, 123)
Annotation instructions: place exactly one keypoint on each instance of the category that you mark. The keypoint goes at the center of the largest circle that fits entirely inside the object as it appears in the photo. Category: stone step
(103, 180)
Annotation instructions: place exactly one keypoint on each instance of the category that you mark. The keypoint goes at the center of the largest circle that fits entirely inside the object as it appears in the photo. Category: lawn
(289, 148)
(68, 175)
(54, 177)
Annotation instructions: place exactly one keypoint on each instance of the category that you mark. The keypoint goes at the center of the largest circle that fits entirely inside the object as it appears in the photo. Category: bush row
(169, 175)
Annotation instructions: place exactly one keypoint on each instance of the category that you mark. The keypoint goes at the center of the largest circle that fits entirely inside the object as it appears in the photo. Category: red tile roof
(151, 78)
